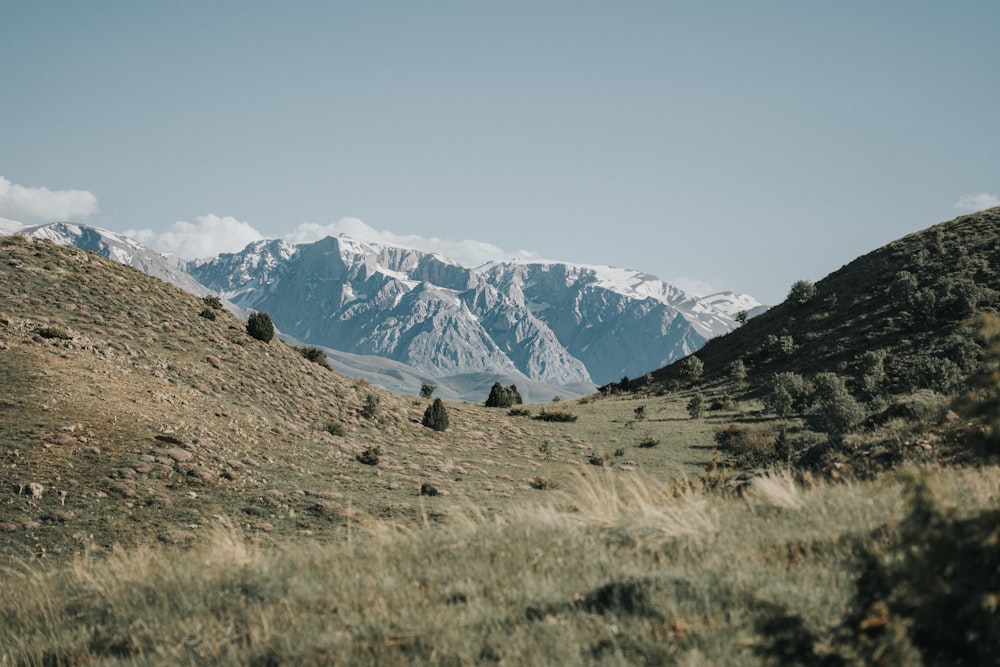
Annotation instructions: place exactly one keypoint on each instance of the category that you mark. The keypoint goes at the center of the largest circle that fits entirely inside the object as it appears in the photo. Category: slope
(909, 300)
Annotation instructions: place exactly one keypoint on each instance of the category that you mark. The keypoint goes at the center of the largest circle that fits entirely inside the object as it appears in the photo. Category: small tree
(789, 393)
(801, 293)
(426, 390)
(742, 316)
(838, 411)
(692, 368)
(738, 372)
(436, 416)
(640, 413)
(503, 397)
(370, 408)
(696, 406)
(212, 301)
(259, 326)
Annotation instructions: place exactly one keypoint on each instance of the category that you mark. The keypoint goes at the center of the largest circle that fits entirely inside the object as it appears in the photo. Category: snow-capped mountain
(550, 324)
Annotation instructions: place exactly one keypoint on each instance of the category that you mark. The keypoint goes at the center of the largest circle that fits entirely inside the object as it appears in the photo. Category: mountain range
(401, 317)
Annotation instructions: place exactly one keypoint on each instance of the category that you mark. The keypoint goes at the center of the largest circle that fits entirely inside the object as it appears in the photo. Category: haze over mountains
(401, 317)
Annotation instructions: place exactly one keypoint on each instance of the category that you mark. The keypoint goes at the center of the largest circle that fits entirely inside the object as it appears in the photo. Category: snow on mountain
(732, 304)
(551, 322)
(119, 248)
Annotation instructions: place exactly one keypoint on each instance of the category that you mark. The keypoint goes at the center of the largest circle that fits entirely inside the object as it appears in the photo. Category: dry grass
(617, 571)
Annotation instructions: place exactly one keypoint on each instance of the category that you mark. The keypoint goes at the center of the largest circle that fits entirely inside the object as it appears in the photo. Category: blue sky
(735, 144)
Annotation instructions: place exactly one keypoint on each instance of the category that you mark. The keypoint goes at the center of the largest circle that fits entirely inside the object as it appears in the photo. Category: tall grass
(617, 569)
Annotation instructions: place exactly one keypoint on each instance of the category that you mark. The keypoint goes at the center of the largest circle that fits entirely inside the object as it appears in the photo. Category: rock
(36, 490)
(179, 455)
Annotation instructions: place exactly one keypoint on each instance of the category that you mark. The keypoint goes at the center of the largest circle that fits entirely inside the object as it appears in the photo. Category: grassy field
(176, 492)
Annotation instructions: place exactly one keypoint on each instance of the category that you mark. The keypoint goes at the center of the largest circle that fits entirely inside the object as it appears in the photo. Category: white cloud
(466, 252)
(977, 202)
(32, 205)
(696, 286)
(207, 236)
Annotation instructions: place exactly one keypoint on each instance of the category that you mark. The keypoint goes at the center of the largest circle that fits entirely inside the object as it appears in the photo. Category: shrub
(692, 368)
(259, 326)
(53, 333)
(335, 428)
(801, 292)
(541, 483)
(696, 406)
(436, 416)
(838, 412)
(370, 407)
(315, 355)
(370, 456)
(555, 416)
(503, 397)
(738, 372)
(600, 459)
(427, 390)
(519, 412)
(640, 413)
(212, 302)
(937, 374)
(789, 393)
(752, 446)
(648, 442)
(208, 314)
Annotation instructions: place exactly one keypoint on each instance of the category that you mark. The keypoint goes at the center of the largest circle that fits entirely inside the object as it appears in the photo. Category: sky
(717, 145)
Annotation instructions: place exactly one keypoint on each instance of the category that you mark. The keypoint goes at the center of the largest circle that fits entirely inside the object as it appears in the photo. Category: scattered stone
(36, 490)
(327, 495)
(179, 455)
(428, 490)
(122, 487)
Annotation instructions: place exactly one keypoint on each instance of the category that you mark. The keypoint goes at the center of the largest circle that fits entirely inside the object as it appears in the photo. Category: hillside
(176, 492)
(909, 298)
(141, 419)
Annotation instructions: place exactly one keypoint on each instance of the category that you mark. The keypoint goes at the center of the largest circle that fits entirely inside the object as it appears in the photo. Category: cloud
(40, 205)
(696, 286)
(466, 252)
(977, 202)
(207, 236)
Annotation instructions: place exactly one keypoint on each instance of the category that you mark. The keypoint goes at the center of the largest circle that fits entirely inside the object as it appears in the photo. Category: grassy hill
(910, 298)
(175, 491)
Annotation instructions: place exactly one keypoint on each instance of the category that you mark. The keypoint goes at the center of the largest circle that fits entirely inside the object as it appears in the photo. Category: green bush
(696, 406)
(789, 393)
(335, 428)
(692, 368)
(837, 411)
(427, 390)
(503, 397)
(259, 326)
(370, 407)
(315, 355)
(801, 292)
(370, 456)
(555, 416)
(208, 314)
(648, 442)
(519, 412)
(212, 301)
(752, 446)
(436, 416)
(53, 333)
